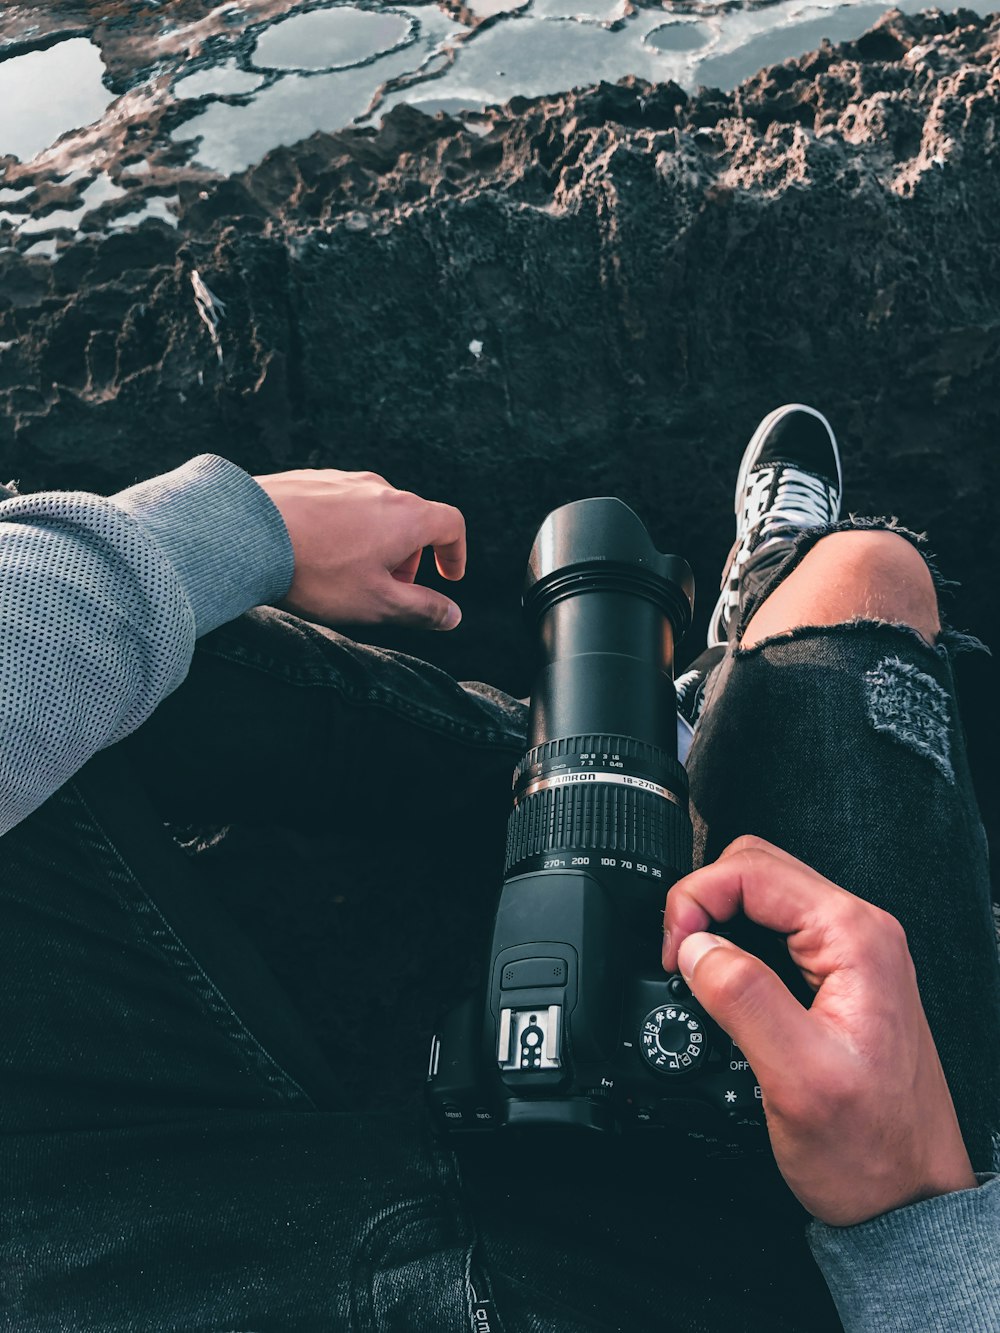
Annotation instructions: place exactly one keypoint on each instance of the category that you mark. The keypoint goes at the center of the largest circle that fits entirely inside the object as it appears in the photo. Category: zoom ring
(621, 821)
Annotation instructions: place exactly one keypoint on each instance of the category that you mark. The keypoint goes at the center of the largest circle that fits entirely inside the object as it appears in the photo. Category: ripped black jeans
(174, 1152)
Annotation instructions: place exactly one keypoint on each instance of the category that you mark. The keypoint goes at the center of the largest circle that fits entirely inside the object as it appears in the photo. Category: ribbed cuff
(933, 1266)
(220, 531)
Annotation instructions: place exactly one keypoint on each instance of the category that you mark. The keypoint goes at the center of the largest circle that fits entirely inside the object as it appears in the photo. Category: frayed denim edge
(949, 641)
(909, 706)
(842, 629)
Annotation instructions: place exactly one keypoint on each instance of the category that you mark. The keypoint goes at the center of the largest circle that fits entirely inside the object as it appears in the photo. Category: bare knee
(876, 559)
(871, 574)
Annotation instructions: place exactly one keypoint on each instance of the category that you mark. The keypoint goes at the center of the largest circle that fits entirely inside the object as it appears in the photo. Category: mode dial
(672, 1040)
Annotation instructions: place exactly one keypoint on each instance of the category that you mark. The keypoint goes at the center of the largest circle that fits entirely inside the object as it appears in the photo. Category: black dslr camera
(579, 1025)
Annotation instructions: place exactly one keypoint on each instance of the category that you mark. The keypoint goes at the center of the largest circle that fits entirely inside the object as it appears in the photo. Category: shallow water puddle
(98, 192)
(752, 45)
(226, 80)
(584, 11)
(164, 209)
(484, 9)
(43, 249)
(43, 94)
(298, 104)
(678, 37)
(234, 137)
(528, 56)
(332, 38)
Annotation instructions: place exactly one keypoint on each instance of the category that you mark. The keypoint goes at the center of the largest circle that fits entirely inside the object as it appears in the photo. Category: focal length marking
(589, 777)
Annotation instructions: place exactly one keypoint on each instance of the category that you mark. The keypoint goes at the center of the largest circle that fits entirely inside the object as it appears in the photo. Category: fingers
(768, 885)
(407, 571)
(749, 1002)
(417, 607)
(443, 527)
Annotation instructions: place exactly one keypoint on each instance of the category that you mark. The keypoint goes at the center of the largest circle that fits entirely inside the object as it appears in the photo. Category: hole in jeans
(905, 703)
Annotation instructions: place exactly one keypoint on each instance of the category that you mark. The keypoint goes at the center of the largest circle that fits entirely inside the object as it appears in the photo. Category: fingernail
(452, 617)
(694, 948)
(666, 945)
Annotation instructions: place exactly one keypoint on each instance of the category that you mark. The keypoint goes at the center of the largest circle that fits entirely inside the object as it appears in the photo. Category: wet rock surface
(596, 293)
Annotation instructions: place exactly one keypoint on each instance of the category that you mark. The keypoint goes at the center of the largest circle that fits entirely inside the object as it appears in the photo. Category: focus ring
(621, 821)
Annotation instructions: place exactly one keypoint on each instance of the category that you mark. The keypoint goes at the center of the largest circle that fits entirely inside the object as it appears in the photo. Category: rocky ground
(647, 274)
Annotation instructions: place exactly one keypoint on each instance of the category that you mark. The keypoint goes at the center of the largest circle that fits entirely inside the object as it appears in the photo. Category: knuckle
(749, 843)
(891, 930)
(411, 505)
(893, 947)
(872, 931)
(855, 917)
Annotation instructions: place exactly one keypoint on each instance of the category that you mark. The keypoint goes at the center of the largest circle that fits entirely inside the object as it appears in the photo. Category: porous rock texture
(647, 273)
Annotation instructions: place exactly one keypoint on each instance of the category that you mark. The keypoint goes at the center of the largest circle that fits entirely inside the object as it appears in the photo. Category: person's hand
(357, 544)
(859, 1113)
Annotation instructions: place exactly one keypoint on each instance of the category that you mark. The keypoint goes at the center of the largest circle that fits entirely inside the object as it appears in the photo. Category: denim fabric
(877, 758)
(172, 1156)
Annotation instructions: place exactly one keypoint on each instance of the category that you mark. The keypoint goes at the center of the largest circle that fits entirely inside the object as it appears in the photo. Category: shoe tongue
(801, 438)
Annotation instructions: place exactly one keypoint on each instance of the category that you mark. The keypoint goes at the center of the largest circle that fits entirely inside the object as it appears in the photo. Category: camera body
(578, 1026)
(622, 1050)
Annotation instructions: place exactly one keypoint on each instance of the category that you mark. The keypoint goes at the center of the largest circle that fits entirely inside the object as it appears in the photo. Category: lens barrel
(601, 787)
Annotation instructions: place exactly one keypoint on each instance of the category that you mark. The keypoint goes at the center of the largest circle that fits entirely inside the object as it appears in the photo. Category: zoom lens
(601, 789)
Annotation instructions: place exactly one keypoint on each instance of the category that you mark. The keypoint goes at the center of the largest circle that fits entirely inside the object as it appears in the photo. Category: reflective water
(678, 37)
(526, 56)
(98, 192)
(232, 137)
(223, 80)
(759, 48)
(162, 209)
(45, 93)
(485, 8)
(331, 38)
(242, 86)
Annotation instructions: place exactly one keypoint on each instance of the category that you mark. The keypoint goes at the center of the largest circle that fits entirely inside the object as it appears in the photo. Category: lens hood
(596, 544)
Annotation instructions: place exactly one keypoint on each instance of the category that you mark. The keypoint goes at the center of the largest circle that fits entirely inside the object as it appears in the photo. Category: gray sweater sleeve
(933, 1267)
(101, 601)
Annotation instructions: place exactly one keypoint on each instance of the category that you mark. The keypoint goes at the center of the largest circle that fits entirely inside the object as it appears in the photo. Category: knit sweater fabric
(101, 601)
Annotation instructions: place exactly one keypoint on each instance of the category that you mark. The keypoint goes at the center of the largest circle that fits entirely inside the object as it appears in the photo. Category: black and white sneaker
(790, 479)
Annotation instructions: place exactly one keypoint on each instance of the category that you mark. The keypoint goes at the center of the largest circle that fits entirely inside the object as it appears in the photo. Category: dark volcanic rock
(648, 274)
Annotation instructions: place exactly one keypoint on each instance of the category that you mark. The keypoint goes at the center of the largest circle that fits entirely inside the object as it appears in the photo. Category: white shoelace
(800, 501)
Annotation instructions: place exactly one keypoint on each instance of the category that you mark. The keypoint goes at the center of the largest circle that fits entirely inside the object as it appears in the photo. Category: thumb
(748, 1000)
(417, 607)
